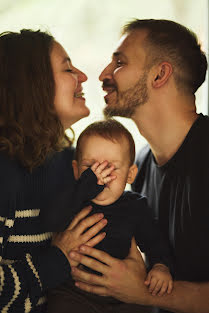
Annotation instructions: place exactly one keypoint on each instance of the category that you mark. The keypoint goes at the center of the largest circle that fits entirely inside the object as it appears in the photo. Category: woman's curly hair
(30, 129)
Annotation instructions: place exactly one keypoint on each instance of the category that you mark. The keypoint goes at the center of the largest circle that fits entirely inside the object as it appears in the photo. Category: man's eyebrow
(118, 54)
(67, 59)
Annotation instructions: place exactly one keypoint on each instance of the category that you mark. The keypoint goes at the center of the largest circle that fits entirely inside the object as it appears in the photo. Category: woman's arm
(124, 280)
(23, 282)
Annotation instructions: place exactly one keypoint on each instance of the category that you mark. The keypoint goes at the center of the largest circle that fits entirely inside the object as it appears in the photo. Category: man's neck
(165, 126)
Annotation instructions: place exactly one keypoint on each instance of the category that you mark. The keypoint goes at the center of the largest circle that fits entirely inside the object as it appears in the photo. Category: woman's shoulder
(8, 166)
(66, 155)
(10, 179)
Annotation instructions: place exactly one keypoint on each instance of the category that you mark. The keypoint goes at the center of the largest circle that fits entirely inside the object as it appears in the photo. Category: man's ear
(133, 170)
(75, 169)
(162, 74)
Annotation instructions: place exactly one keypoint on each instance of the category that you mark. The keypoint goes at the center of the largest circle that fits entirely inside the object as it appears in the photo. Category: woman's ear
(75, 169)
(133, 170)
(162, 74)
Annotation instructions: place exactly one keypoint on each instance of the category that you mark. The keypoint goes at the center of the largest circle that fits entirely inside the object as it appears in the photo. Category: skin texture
(125, 79)
(69, 101)
(164, 119)
(116, 155)
(73, 236)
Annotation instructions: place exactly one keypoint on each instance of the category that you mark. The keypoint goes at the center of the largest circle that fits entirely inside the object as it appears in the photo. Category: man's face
(125, 78)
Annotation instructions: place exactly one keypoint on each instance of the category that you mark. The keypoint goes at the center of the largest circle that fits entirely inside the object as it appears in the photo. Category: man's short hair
(169, 41)
(109, 129)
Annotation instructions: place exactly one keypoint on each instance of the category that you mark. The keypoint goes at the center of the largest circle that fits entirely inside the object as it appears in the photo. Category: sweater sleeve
(149, 237)
(23, 282)
(61, 209)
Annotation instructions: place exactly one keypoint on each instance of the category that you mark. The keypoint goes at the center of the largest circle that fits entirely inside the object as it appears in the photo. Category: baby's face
(96, 148)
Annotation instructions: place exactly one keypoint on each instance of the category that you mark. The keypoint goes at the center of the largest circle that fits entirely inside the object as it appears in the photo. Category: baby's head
(107, 141)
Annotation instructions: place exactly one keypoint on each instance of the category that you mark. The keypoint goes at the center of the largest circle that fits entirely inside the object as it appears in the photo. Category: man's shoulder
(134, 197)
(200, 129)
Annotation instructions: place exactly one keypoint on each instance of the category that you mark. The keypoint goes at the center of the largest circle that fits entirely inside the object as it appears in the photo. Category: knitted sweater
(29, 265)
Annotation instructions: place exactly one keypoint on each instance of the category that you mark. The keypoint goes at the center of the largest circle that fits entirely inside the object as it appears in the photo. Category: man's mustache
(108, 84)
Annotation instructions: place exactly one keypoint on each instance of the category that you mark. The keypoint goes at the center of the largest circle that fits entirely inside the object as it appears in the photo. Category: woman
(40, 97)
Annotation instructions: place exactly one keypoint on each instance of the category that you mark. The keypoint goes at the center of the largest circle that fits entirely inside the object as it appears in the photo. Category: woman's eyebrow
(67, 59)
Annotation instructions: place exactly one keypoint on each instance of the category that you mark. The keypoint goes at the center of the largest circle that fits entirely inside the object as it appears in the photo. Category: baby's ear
(132, 172)
(75, 169)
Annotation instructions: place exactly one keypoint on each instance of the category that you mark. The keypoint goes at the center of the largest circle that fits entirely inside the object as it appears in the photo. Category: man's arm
(124, 280)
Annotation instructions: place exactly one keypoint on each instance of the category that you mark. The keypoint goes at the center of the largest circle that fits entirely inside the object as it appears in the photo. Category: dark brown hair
(109, 129)
(176, 44)
(30, 129)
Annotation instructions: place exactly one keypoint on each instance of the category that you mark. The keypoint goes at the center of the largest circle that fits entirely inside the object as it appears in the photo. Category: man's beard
(127, 101)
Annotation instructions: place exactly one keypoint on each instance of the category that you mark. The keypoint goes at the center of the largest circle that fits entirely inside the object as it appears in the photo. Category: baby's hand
(159, 280)
(103, 172)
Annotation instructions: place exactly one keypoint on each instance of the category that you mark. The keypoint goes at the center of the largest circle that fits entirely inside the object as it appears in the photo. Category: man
(152, 78)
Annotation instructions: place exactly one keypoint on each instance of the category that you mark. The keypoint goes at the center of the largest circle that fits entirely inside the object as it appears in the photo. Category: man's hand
(122, 279)
(103, 172)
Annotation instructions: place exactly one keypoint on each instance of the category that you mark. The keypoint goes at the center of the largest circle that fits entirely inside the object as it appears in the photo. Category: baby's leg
(68, 299)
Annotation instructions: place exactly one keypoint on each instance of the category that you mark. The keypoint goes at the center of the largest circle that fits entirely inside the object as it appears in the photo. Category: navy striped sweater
(29, 265)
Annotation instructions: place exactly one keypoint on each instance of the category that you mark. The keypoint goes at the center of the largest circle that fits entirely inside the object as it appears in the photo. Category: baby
(127, 213)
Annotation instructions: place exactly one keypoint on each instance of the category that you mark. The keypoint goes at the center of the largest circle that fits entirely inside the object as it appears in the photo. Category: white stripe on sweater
(30, 238)
(9, 223)
(28, 305)
(1, 279)
(31, 265)
(27, 213)
(16, 290)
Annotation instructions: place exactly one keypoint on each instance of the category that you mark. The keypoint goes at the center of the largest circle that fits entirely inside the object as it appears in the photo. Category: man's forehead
(133, 37)
(132, 46)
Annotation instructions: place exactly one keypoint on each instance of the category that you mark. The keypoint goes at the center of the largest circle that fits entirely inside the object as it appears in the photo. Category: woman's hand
(74, 235)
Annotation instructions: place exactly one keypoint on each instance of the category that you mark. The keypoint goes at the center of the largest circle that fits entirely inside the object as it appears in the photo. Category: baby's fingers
(148, 279)
(152, 284)
(108, 179)
(95, 166)
(158, 287)
(100, 167)
(163, 288)
(170, 286)
(107, 170)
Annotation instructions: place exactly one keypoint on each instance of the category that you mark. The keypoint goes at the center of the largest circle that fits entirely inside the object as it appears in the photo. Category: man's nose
(106, 73)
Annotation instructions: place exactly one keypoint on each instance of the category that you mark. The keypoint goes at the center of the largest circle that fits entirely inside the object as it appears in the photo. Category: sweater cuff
(88, 185)
(53, 267)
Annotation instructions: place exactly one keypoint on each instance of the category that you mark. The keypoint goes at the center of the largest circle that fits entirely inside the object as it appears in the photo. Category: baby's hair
(108, 129)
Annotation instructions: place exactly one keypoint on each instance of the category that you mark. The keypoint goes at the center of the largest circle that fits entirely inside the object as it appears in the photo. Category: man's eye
(69, 70)
(119, 62)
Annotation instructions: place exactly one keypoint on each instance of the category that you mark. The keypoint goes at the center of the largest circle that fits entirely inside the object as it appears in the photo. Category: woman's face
(69, 101)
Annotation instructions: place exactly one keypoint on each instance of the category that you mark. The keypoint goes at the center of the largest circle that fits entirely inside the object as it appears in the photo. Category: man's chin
(110, 111)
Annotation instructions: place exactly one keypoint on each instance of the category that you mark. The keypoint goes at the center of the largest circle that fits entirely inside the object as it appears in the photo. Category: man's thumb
(134, 252)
